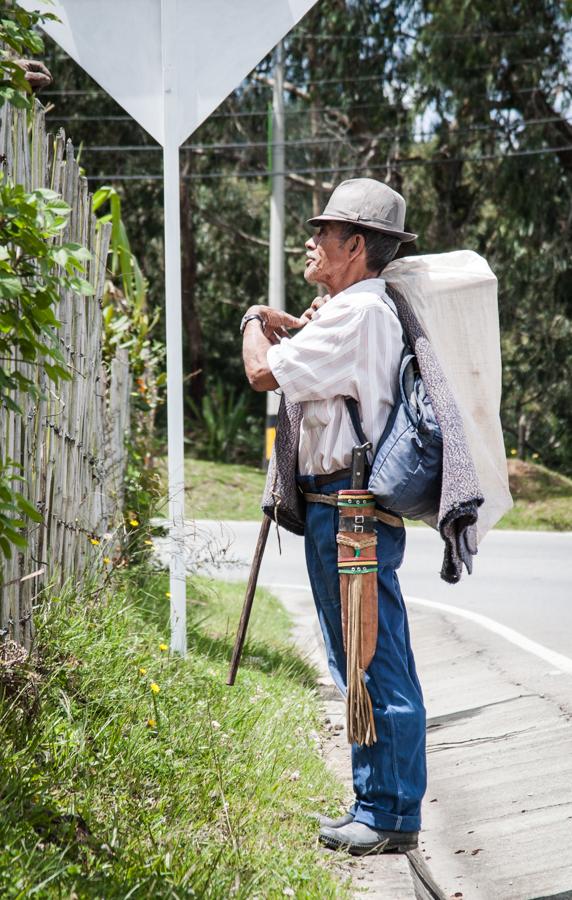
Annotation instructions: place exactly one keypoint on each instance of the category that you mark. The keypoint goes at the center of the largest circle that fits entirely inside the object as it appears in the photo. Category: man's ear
(357, 245)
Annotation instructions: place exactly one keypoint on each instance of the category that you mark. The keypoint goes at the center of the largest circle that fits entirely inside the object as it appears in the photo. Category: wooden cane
(248, 600)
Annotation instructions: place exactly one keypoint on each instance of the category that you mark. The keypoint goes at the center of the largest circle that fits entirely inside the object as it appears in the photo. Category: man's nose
(310, 243)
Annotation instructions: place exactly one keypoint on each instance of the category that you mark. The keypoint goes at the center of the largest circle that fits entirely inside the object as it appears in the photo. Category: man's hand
(308, 314)
(36, 73)
(276, 321)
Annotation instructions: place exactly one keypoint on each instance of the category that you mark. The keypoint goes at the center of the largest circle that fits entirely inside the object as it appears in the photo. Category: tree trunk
(522, 436)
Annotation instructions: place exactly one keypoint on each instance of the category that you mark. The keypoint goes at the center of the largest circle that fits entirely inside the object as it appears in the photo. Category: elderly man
(349, 344)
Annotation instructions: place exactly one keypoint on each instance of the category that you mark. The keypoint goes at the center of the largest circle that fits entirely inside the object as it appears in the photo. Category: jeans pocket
(390, 545)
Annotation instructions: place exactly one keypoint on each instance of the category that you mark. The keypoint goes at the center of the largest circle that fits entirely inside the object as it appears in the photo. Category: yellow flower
(154, 687)
(133, 522)
(142, 671)
(106, 559)
(513, 452)
(94, 541)
(148, 543)
(163, 647)
(151, 723)
(167, 593)
(535, 455)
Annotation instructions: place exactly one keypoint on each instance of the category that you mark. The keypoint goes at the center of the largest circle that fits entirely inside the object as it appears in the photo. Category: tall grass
(127, 773)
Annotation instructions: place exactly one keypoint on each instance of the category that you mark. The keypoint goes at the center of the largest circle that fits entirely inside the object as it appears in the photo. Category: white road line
(558, 660)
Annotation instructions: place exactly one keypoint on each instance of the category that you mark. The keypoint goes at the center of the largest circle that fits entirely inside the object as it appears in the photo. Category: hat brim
(403, 236)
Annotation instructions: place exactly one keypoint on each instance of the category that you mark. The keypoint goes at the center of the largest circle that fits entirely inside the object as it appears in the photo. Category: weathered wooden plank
(70, 439)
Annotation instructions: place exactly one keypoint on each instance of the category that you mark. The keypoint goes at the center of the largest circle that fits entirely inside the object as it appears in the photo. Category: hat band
(356, 217)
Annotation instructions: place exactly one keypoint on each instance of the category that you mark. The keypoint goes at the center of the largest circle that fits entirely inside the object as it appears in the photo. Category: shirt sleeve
(320, 361)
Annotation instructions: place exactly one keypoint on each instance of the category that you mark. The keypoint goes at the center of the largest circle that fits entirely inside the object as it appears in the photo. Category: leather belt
(332, 500)
(319, 480)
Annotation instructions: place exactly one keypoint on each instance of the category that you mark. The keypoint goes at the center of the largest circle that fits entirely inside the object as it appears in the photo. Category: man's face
(327, 257)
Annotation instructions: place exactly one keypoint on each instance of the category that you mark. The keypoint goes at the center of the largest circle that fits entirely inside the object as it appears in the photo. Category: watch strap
(248, 317)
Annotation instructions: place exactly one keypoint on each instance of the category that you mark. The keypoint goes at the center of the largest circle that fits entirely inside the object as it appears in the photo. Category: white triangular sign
(123, 45)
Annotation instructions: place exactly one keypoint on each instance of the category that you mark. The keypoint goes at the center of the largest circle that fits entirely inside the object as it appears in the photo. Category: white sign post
(170, 63)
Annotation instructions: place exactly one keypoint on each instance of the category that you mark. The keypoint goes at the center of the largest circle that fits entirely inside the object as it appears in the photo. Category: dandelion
(149, 543)
(163, 647)
(154, 688)
(142, 671)
(134, 522)
(94, 541)
(151, 723)
(513, 452)
(167, 593)
(106, 560)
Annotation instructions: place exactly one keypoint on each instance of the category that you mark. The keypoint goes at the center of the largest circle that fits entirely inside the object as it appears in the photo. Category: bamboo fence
(70, 440)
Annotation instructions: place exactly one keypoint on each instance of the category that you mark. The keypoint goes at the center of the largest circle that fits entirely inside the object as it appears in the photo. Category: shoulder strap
(353, 409)
(407, 354)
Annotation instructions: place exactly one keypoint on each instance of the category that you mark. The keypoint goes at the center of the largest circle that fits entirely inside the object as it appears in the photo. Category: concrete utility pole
(276, 261)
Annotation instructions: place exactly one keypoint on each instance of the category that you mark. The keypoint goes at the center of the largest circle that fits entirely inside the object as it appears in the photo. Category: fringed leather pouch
(357, 567)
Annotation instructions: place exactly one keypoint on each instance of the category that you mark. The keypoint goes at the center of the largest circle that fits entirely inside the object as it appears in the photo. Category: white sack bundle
(454, 297)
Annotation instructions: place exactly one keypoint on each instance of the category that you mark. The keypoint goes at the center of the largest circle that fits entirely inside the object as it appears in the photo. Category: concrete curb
(497, 816)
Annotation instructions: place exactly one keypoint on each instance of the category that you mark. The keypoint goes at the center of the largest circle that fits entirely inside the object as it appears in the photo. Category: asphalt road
(522, 580)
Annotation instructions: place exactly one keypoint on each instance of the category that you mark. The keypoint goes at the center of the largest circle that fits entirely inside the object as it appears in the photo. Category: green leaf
(26, 507)
(5, 545)
(81, 286)
(10, 286)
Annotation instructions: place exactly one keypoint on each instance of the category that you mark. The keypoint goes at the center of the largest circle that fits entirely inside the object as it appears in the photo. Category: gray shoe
(358, 839)
(327, 822)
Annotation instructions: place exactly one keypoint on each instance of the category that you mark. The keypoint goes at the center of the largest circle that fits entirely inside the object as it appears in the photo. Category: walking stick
(248, 600)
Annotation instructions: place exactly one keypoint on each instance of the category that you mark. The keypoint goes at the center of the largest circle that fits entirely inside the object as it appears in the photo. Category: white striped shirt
(351, 348)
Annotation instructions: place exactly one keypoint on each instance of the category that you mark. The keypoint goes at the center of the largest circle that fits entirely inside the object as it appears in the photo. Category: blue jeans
(390, 776)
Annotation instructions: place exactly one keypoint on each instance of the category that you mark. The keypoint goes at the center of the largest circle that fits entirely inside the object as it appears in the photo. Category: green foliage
(438, 99)
(220, 423)
(15, 510)
(542, 499)
(234, 491)
(18, 36)
(109, 789)
(123, 264)
(34, 267)
(129, 325)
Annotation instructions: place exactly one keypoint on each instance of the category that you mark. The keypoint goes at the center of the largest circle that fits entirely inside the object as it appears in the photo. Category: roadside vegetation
(542, 498)
(125, 772)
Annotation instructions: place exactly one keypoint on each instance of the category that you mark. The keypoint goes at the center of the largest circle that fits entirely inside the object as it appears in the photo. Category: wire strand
(394, 164)
(302, 142)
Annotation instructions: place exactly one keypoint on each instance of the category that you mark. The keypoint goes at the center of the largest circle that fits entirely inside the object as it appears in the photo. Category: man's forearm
(255, 346)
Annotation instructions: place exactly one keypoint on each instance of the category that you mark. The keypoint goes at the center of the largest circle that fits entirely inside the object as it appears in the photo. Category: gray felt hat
(368, 203)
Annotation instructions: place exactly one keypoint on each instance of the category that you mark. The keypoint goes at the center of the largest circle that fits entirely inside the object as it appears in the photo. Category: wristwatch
(247, 317)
